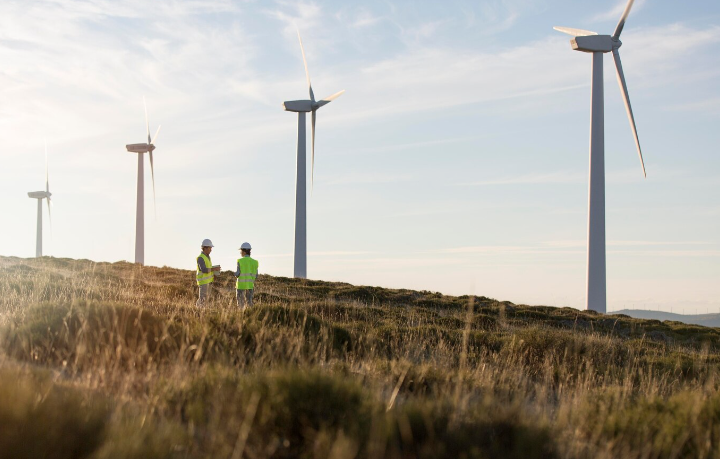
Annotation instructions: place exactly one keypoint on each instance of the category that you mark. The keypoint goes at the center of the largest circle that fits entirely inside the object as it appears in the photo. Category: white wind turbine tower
(302, 107)
(141, 149)
(40, 195)
(591, 42)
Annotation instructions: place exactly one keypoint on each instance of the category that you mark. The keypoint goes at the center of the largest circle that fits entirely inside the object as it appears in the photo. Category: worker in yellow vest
(205, 272)
(246, 273)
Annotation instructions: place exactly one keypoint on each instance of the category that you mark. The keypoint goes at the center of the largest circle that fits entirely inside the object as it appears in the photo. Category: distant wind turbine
(40, 195)
(140, 149)
(591, 42)
(302, 107)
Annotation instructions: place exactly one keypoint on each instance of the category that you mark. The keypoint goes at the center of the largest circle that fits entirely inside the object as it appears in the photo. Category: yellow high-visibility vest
(248, 273)
(204, 278)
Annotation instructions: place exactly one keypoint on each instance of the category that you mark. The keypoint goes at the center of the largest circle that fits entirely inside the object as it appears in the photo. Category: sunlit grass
(114, 360)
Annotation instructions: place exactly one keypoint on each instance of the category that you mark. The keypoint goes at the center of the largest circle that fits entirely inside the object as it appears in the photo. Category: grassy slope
(114, 360)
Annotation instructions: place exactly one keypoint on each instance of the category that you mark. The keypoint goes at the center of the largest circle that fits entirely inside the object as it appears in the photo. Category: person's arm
(201, 264)
(237, 271)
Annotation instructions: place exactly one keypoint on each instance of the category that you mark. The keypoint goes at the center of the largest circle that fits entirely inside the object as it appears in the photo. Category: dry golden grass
(104, 360)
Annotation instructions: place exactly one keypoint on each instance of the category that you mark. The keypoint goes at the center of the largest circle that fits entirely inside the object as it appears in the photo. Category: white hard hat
(245, 246)
(207, 243)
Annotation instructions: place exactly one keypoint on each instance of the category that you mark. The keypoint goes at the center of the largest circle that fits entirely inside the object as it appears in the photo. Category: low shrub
(85, 334)
(41, 419)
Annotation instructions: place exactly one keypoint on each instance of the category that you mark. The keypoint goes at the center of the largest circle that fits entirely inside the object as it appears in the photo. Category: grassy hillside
(104, 360)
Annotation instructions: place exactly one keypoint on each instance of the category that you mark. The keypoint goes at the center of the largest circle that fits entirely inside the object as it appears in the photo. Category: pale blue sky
(456, 161)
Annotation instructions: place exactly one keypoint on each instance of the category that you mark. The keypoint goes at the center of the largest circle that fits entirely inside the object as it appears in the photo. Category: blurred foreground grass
(104, 360)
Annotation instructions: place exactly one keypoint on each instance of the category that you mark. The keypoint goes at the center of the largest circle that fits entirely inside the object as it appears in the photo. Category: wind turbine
(302, 107)
(141, 149)
(40, 195)
(591, 42)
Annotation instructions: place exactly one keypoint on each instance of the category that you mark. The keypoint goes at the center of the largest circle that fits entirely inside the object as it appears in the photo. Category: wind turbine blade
(147, 121)
(574, 32)
(329, 99)
(154, 139)
(47, 188)
(47, 176)
(49, 213)
(628, 108)
(152, 174)
(624, 16)
(334, 96)
(312, 160)
(307, 73)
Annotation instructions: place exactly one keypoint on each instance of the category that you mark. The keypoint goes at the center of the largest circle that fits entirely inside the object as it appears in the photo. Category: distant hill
(706, 320)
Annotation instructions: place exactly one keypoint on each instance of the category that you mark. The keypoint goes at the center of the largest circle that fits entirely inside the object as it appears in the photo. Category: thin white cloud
(421, 80)
(525, 179)
(422, 32)
(359, 17)
(623, 243)
(332, 253)
(355, 178)
(443, 208)
(428, 78)
(413, 145)
(97, 64)
(366, 21)
(711, 105)
(671, 253)
(614, 13)
(565, 243)
(499, 16)
(650, 248)
(500, 249)
(307, 17)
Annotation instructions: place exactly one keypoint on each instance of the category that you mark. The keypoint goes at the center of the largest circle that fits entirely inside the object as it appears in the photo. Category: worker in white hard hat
(246, 273)
(205, 272)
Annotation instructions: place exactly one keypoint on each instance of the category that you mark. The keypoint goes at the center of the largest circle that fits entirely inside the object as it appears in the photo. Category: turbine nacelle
(308, 105)
(299, 106)
(39, 194)
(595, 43)
(140, 147)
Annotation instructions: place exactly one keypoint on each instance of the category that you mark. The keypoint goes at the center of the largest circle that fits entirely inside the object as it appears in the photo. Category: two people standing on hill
(246, 273)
